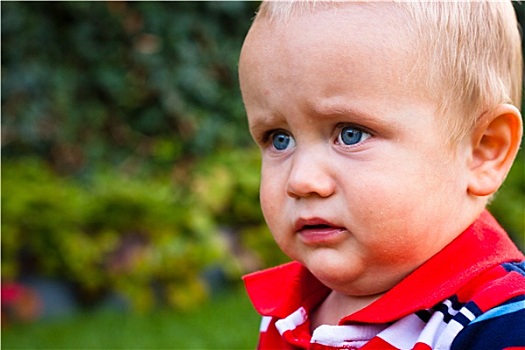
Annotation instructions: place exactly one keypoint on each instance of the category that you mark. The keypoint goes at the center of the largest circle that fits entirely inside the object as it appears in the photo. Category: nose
(310, 175)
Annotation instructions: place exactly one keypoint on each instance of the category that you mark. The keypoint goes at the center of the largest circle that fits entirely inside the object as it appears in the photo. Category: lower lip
(325, 236)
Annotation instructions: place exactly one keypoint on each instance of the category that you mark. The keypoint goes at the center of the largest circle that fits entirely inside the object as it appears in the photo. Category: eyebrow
(339, 109)
(264, 122)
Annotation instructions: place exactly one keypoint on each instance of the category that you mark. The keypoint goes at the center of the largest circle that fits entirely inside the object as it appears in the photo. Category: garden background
(129, 182)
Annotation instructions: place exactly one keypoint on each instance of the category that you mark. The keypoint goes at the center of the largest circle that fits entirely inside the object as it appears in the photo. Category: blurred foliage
(121, 82)
(118, 233)
(125, 156)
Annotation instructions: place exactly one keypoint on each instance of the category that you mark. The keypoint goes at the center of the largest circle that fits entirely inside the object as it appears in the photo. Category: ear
(496, 141)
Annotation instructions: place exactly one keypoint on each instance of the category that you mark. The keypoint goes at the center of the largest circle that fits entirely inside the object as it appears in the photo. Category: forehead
(327, 52)
(344, 28)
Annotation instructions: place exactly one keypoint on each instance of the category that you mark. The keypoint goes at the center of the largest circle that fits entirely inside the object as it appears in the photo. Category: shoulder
(500, 321)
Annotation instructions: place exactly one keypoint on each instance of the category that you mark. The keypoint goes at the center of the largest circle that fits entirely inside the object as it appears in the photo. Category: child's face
(357, 183)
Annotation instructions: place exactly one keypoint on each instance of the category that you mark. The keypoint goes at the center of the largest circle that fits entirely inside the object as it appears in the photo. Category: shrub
(113, 233)
(85, 83)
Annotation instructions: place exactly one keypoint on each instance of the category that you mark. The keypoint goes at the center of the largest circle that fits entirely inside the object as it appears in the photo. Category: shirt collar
(281, 290)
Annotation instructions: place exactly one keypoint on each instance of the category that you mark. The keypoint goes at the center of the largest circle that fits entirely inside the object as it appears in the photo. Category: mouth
(313, 224)
(317, 231)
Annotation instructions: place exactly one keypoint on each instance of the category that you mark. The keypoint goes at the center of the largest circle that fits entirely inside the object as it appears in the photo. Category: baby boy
(384, 129)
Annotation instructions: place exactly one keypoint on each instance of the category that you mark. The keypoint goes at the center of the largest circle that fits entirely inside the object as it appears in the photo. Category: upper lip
(302, 224)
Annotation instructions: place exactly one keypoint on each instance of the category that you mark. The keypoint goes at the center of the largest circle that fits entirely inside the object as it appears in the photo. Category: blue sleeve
(499, 328)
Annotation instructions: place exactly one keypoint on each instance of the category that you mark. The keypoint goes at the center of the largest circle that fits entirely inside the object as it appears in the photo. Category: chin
(331, 273)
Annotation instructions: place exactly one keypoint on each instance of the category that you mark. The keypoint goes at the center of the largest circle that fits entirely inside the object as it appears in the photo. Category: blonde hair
(469, 52)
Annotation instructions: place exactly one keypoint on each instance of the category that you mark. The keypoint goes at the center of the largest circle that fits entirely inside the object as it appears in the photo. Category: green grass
(226, 322)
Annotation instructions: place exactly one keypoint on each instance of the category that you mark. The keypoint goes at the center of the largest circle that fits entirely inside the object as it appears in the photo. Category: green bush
(85, 83)
(114, 233)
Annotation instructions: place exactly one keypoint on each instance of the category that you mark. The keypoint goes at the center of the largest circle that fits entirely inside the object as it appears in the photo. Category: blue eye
(350, 136)
(281, 141)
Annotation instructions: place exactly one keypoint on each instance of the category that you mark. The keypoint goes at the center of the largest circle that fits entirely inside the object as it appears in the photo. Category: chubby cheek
(276, 213)
(400, 228)
(387, 217)
(271, 197)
